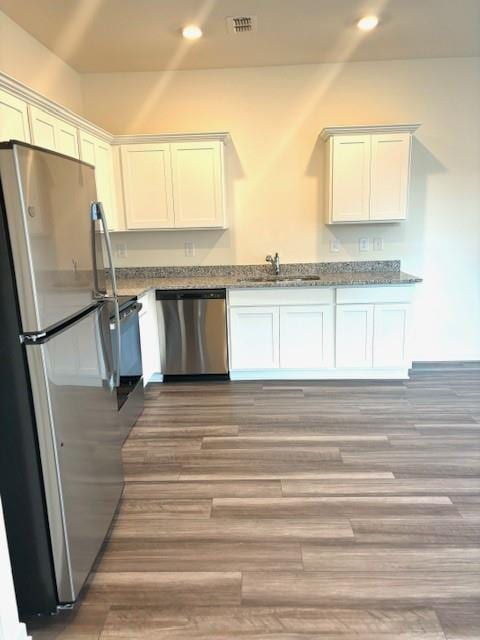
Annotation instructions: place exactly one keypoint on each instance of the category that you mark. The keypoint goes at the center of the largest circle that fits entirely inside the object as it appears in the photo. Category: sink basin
(282, 279)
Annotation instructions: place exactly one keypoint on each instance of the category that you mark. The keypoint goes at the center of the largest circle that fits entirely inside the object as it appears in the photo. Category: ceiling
(144, 35)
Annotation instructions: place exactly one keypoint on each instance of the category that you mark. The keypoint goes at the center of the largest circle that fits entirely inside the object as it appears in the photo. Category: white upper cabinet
(13, 118)
(390, 153)
(147, 184)
(197, 172)
(50, 132)
(99, 153)
(174, 185)
(367, 173)
(351, 178)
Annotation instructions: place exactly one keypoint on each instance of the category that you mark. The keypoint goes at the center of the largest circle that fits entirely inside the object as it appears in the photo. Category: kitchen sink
(282, 279)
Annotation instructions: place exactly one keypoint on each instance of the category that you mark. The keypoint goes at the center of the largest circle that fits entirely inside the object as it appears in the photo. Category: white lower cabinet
(357, 332)
(391, 335)
(354, 336)
(254, 337)
(306, 337)
(149, 336)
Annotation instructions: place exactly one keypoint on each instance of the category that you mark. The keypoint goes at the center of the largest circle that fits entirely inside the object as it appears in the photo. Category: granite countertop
(137, 281)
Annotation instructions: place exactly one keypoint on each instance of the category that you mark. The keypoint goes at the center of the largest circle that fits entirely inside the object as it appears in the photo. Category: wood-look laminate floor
(335, 510)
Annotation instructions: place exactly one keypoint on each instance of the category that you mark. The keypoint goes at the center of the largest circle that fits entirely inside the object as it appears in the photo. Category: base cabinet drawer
(254, 337)
(306, 337)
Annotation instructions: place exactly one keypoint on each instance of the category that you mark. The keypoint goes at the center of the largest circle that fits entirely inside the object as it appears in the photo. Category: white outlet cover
(378, 244)
(334, 246)
(121, 250)
(189, 248)
(363, 244)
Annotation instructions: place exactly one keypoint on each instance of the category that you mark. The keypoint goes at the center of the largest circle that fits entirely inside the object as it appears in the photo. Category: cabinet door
(389, 176)
(43, 129)
(390, 336)
(147, 183)
(354, 336)
(13, 118)
(351, 178)
(254, 337)
(306, 337)
(99, 153)
(52, 133)
(66, 138)
(198, 184)
(149, 337)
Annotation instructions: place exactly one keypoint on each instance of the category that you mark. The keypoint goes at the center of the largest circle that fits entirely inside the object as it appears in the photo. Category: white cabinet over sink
(174, 182)
(320, 333)
(367, 173)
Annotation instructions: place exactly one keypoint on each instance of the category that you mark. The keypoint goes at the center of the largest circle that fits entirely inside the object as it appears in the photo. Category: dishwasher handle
(191, 294)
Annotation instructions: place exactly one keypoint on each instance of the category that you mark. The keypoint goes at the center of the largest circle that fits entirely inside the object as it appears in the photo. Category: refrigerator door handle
(99, 214)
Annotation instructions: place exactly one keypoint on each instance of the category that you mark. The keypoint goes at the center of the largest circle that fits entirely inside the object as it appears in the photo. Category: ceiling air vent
(242, 24)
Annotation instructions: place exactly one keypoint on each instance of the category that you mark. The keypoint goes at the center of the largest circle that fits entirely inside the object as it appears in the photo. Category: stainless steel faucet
(275, 262)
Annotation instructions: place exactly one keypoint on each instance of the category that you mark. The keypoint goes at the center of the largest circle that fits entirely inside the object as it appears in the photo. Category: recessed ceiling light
(367, 23)
(192, 32)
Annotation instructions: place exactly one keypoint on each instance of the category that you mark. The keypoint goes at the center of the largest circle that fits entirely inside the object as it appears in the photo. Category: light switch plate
(334, 246)
(364, 244)
(378, 244)
(189, 248)
(121, 250)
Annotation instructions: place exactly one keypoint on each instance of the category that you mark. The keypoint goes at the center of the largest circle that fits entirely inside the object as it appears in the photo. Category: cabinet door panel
(306, 337)
(147, 182)
(66, 139)
(149, 337)
(351, 178)
(389, 176)
(198, 184)
(13, 118)
(99, 153)
(354, 335)
(390, 336)
(254, 337)
(43, 129)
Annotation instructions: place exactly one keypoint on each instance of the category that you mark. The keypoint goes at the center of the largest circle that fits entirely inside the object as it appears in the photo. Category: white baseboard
(321, 374)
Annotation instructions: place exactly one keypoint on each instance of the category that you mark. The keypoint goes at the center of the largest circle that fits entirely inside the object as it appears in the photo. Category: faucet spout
(275, 262)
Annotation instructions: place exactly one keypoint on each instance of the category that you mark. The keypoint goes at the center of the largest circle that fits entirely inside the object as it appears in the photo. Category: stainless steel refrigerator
(60, 439)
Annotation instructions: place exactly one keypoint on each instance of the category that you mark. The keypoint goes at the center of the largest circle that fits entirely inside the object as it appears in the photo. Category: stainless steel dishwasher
(192, 326)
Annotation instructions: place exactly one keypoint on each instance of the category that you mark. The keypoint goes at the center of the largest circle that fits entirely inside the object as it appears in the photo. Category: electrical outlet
(121, 250)
(334, 246)
(364, 244)
(189, 248)
(378, 244)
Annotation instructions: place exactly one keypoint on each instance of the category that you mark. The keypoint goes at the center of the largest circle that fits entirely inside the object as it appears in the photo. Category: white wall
(26, 59)
(274, 116)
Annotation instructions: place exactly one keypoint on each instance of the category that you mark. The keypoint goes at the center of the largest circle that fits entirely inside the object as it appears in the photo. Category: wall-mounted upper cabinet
(13, 118)
(53, 133)
(177, 184)
(367, 173)
(99, 153)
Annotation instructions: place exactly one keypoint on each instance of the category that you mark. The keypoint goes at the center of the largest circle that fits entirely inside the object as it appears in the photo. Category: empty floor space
(298, 510)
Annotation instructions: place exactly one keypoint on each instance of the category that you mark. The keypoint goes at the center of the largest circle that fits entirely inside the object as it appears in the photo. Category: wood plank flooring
(294, 511)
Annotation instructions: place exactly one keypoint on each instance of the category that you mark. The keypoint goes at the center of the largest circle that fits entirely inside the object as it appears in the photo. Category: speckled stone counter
(138, 280)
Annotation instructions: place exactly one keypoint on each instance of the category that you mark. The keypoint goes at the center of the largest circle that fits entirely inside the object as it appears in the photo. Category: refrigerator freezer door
(48, 200)
(79, 438)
